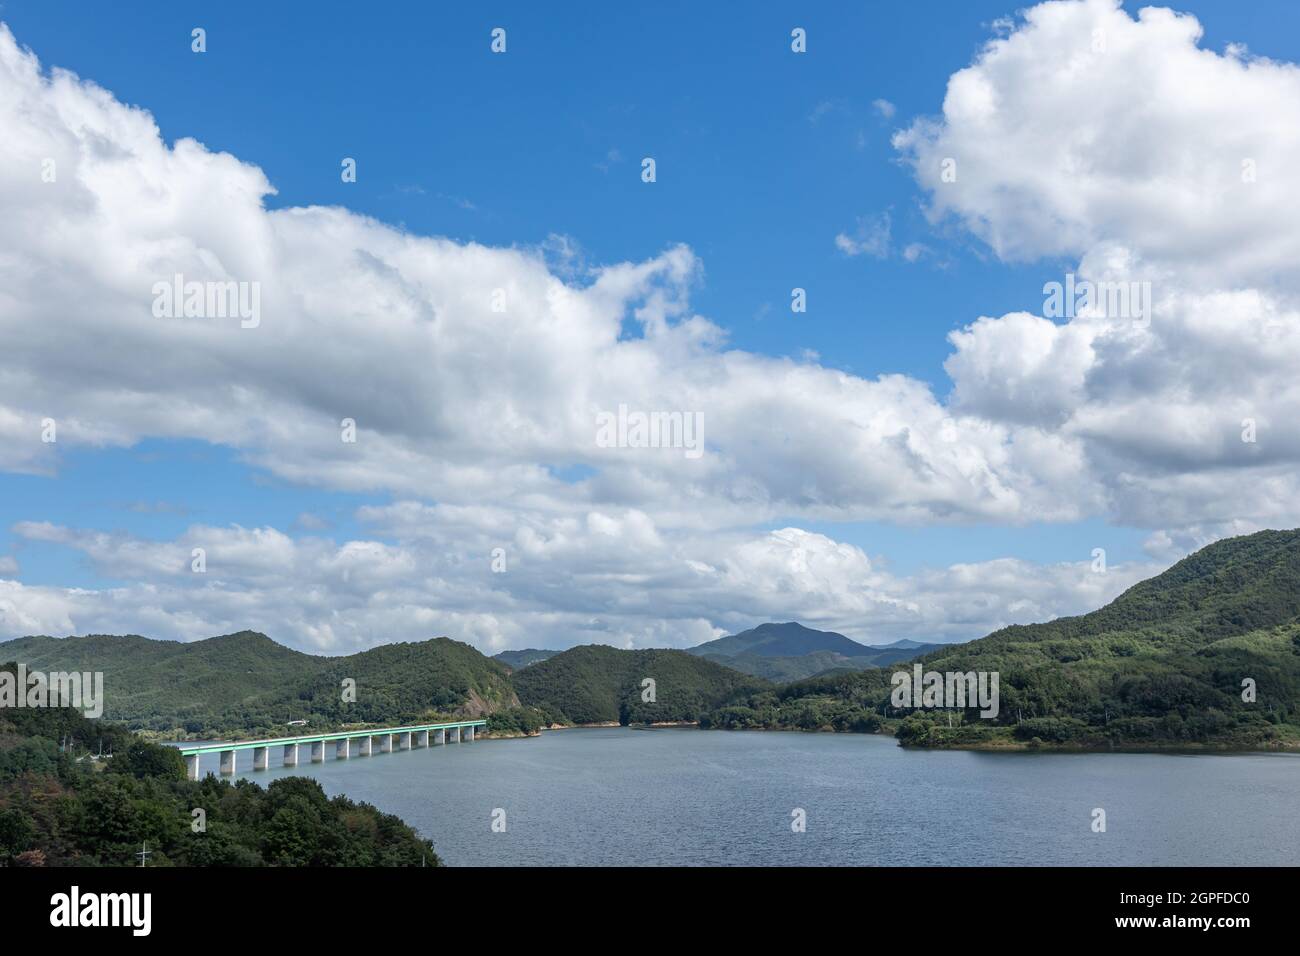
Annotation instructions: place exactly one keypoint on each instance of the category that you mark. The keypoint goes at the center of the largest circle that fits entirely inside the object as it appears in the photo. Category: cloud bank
(1091, 141)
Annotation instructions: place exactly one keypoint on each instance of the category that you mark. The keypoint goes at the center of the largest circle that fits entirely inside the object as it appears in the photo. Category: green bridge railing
(212, 748)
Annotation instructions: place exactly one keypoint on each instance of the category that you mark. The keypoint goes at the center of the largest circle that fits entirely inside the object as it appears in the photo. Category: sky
(925, 450)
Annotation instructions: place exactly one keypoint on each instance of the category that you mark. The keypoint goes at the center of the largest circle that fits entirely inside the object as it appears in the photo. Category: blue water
(684, 796)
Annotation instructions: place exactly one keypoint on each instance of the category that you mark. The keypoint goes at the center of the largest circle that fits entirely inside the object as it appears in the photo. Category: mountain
(780, 640)
(790, 651)
(246, 682)
(783, 670)
(516, 660)
(593, 683)
(904, 644)
(1161, 665)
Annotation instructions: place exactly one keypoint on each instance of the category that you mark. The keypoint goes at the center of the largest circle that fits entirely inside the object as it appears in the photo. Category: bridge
(389, 739)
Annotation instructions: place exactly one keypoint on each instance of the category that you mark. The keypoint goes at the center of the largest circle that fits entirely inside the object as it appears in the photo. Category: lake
(679, 796)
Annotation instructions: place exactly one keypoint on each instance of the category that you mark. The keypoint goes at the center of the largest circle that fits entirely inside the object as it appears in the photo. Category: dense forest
(596, 684)
(59, 806)
(516, 660)
(789, 652)
(1162, 665)
(248, 684)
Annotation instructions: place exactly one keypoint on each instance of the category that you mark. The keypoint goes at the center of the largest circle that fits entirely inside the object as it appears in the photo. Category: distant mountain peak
(239, 637)
(787, 639)
(516, 659)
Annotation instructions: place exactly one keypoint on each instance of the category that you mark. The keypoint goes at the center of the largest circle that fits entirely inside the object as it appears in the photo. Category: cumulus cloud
(609, 576)
(1085, 134)
(472, 373)
(475, 374)
(1085, 124)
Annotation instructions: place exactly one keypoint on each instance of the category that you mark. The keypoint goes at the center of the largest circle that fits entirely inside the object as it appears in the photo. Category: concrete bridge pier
(385, 743)
(318, 751)
(260, 758)
(421, 739)
(290, 755)
(192, 766)
(227, 762)
(404, 740)
(442, 735)
(343, 749)
(363, 746)
(456, 732)
(470, 732)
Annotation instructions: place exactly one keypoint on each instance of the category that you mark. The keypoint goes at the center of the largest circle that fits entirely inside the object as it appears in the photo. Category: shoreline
(1173, 747)
(1001, 744)
(992, 746)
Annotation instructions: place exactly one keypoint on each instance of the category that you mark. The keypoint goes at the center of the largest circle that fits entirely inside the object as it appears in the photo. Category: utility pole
(144, 853)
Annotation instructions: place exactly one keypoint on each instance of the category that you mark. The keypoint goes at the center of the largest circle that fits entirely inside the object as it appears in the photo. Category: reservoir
(680, 796)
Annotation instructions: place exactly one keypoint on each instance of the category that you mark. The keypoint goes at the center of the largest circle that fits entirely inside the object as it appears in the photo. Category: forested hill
(517, 660)
(593, 683)
(60, 807)
(790, 651)
(780, 640)
(1163, 664)
(248, 683)
(1229, 587)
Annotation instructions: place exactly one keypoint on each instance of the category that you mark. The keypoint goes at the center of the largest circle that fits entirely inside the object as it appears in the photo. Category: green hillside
(598, 684)
(780, 640)
(517, 660)
(789, 652)
(783, 670)
(247, 683)
(60, 808)
(1162, 665)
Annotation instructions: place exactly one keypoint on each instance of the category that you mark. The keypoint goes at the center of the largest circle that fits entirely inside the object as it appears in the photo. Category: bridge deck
(317, 738)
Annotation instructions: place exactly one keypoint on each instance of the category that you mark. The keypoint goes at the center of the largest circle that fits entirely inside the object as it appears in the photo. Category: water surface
(685, 796)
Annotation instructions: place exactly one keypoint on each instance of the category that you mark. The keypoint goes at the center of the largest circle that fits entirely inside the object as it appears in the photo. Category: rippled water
(684, 796)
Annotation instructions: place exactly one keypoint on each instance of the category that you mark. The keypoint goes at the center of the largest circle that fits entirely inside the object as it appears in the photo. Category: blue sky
(763, 158)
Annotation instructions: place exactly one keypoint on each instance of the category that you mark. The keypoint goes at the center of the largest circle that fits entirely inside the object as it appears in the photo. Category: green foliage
(517, 660)
(790, 652)
(1162, 665)
(516, 720)
(36, 756)
(141, 759)
(1058, 730)
(76, 815)
(847, 702)
(247, 684)
(596, 684)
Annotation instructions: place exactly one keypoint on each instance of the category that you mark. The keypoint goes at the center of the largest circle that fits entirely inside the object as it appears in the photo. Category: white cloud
(606, 576)
(1086, 125)
(1084, 132)
(475, 373)
(870, 237)
(471, 372)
